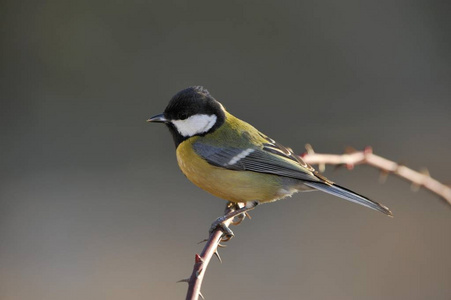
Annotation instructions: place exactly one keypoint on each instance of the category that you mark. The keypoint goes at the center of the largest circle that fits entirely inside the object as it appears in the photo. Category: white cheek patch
(196, 124)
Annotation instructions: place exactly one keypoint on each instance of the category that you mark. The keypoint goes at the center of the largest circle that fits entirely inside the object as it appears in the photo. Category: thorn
(336, 167)
(350, 150)
(203, 241)
(248, 215)
(309, 149)
(383, 176)
(415, 187)
(425, 172)
(202, 296)
(183, 280)
(217, 255)
(399, 165)
(198, 259)
(350, 166)
(322, 167)
(222, 246)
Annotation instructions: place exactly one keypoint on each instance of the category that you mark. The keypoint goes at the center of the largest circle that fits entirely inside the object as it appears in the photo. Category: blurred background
(93, 205)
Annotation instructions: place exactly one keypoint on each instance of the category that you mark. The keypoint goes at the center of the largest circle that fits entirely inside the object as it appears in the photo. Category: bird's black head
(192, 111)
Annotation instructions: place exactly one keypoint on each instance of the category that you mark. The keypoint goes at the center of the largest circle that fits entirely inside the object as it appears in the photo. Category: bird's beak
(158, 119)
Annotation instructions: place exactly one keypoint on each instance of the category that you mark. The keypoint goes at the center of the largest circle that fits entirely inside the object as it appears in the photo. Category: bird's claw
(227, 232)
(238, 219)
(241, 218)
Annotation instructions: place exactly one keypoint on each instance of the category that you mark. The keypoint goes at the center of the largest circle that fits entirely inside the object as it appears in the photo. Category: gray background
(93, 205)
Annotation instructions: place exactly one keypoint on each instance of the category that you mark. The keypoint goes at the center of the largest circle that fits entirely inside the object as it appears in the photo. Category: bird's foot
(239, 212)
(227, 233)
(238, 219)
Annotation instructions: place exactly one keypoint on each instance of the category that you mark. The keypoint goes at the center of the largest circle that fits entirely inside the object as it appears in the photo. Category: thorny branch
(202, 260)
(349, 159)
(418, 179)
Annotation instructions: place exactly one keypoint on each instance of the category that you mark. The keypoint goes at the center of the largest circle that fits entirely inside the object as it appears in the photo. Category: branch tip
(352, 158)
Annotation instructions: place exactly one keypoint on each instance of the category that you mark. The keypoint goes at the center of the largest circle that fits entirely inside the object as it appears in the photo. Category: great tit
(234, 161)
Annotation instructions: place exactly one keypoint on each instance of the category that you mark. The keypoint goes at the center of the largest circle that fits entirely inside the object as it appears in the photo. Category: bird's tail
(349, 195)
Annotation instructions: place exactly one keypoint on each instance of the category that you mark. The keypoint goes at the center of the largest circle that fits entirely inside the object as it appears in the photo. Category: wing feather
(256, 159)
(271, 157)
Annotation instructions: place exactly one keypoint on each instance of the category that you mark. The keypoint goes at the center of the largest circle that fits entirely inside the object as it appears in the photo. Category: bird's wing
(273, 158)
(270, 158)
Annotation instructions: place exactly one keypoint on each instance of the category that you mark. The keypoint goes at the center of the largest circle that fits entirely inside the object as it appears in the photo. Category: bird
(232, 160)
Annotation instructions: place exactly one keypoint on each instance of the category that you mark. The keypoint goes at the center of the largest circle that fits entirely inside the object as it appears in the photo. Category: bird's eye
(183, 116)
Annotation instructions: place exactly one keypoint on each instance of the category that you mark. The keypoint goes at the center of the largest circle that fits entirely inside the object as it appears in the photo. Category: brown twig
(202, 260)
(418, 179)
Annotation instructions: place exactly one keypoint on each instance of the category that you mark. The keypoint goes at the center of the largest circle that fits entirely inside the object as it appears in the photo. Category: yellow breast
(235, 186)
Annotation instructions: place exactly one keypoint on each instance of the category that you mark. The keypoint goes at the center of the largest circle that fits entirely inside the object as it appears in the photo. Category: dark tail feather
(349, 195)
